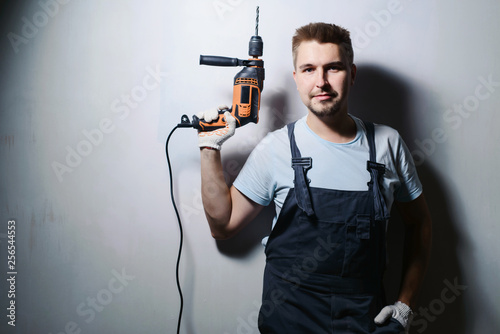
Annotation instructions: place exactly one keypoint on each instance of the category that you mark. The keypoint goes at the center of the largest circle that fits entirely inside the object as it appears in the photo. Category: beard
(325, 108)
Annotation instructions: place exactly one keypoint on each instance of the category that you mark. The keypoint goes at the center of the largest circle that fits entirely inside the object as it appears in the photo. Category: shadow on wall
(10, 27)
(382, 97)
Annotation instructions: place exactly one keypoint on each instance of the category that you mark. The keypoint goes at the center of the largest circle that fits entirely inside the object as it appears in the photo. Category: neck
(337, 128)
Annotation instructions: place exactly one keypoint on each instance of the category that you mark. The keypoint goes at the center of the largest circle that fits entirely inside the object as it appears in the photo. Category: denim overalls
(326, 256)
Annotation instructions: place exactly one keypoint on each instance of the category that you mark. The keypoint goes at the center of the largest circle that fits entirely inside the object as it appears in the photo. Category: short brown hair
(323, 33)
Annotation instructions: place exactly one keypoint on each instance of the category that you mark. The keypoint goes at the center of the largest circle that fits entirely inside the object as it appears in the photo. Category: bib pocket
(321, 246)
(362, 246)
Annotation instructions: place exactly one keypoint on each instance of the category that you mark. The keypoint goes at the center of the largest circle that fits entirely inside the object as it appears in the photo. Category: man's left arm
(417, 245)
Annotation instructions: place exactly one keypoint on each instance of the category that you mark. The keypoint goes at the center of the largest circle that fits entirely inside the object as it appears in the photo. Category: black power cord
(180, 229)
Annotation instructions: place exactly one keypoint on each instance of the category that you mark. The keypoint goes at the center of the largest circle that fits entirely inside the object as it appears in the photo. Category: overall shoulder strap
(370, 134)
(377, 171)
(300, 166)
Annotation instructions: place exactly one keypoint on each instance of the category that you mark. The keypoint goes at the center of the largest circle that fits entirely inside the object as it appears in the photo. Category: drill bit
(257, 22)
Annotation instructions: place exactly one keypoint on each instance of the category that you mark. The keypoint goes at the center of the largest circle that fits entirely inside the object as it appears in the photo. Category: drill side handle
(219, 61)
(227, 61)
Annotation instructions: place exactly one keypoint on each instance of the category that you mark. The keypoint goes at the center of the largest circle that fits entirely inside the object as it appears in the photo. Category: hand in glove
(399, 311)
(214, 139)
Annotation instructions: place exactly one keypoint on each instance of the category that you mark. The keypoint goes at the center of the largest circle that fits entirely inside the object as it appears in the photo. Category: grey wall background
(91, 89)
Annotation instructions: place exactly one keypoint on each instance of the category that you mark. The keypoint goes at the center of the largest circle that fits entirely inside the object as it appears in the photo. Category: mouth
(324, 96)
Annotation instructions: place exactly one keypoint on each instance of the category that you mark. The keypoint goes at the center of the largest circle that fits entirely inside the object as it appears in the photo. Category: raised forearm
(215, 192)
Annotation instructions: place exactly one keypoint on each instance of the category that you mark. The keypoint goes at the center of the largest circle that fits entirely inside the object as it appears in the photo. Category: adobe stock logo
(98, 302)
(455, 117)
(223, 6)
(122, 107)
(40, 19)
(437, 306)
(362, 37)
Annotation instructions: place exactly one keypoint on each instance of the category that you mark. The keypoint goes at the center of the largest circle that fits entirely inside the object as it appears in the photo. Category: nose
(321, 79)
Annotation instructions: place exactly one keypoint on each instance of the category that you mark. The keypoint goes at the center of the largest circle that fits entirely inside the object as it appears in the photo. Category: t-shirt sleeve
(256, 180)
(410, 187)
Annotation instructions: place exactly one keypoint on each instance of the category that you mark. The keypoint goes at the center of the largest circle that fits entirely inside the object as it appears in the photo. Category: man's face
(323, 77)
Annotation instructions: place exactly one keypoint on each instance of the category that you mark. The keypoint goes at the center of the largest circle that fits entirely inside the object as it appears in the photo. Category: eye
(308, 70)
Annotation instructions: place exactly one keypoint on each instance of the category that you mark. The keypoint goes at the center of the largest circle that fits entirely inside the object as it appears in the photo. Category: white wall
(123, 72)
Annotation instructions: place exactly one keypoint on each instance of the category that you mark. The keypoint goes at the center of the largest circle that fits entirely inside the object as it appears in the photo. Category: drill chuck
(255, 46)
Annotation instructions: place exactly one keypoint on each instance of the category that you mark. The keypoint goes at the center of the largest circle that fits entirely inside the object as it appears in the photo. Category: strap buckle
(370, 165)
(305, 162)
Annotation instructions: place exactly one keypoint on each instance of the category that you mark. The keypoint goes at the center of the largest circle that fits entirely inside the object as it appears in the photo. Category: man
(326, 252)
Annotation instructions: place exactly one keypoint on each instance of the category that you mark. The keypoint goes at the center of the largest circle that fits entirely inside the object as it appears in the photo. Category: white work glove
(214, 139)
(399, 311)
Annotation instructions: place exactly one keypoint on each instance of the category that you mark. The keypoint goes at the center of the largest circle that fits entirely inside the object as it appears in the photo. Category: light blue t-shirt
(267, 174)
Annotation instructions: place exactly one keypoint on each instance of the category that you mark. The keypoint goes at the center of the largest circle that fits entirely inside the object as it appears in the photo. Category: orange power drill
(247, 87)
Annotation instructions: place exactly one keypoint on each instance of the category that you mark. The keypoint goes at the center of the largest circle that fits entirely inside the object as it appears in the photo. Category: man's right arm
(227, 209)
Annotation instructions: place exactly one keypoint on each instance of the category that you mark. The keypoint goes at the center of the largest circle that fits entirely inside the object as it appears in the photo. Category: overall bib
(325, 257)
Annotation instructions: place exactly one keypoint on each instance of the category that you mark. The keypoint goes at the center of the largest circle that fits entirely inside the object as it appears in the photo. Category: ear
(295, 79)
(353, 73)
